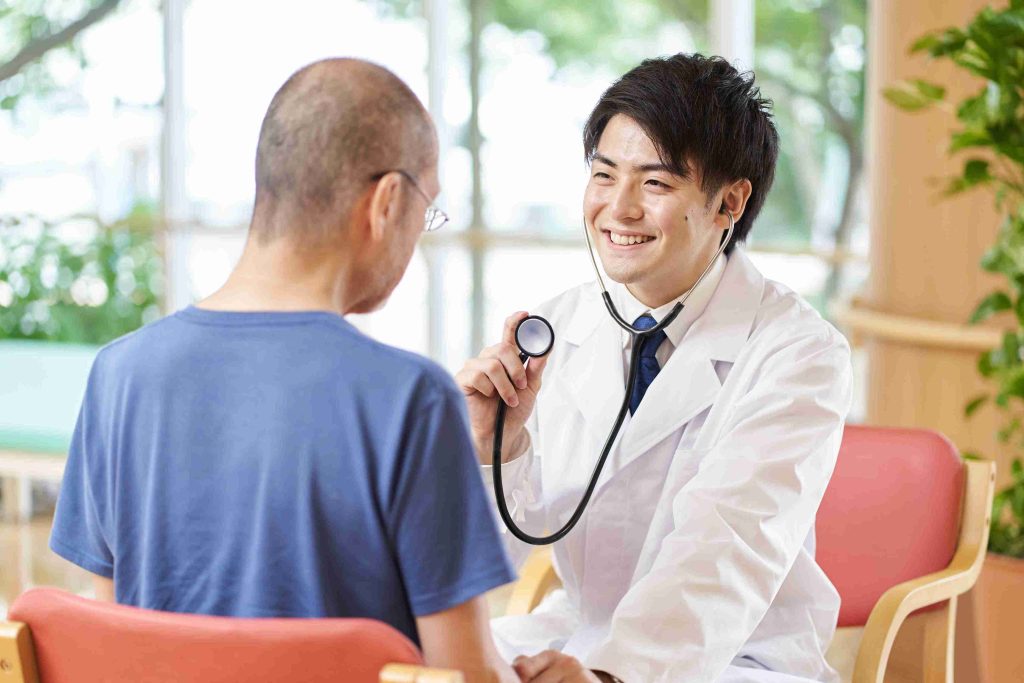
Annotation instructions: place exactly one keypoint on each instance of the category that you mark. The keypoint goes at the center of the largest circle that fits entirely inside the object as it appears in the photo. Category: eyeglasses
(433, 218)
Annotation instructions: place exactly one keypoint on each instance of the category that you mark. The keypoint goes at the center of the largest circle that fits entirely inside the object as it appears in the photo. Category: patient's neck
(277, 276)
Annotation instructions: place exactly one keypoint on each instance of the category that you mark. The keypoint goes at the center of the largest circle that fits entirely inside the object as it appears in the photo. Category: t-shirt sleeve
(442, 527)
(79, 534)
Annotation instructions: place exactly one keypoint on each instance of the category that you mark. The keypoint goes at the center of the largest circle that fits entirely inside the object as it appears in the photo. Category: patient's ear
(382, 210)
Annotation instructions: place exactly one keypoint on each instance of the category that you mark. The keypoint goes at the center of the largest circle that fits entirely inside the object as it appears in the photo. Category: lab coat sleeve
(739, 523)
(520, 480)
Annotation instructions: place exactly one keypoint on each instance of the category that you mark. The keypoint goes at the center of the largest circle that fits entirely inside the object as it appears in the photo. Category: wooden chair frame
(18, 662)
(538, 578)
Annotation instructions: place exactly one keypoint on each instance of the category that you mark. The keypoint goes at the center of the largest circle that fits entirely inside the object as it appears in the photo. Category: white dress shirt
(630, 308)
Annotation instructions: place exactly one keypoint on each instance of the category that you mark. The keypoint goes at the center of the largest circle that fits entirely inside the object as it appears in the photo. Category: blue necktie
(649, 366)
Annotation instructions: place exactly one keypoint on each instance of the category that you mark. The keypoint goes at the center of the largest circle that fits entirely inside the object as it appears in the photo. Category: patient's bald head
(328, 130)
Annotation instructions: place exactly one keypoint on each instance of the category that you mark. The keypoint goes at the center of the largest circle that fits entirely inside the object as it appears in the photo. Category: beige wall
(925, 251)
(925, 248)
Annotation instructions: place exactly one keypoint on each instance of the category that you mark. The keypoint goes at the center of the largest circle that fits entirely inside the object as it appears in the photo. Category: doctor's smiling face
(672, 145)
(654, 230)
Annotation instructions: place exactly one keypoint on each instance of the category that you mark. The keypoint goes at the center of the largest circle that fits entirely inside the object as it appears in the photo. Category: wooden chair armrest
(410, 673)
(536, 579)
(897, 603)
(17, 655)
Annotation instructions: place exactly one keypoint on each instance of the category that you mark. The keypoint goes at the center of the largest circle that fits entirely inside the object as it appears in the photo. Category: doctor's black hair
(702, 115)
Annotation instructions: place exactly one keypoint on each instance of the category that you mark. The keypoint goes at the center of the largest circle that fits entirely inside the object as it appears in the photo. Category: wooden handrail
(863, 322)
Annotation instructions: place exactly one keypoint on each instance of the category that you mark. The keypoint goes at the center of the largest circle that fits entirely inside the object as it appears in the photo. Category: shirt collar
(631, 308)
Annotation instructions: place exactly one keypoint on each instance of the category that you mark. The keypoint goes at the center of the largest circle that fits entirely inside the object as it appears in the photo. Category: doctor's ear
(734, 201)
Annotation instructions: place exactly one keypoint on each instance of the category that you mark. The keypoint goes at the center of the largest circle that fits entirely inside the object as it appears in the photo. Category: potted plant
(991, 133)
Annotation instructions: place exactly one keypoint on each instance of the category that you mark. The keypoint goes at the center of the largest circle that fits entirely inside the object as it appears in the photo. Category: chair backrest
(891, 513)
(85, 641)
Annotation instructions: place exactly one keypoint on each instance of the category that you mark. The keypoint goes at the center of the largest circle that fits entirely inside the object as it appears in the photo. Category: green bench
(41, 389)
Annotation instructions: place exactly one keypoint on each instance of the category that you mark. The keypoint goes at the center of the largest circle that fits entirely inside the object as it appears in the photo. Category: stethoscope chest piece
(534, 336)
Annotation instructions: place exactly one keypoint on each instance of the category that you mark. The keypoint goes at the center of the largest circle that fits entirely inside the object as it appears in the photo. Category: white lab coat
(695, 560)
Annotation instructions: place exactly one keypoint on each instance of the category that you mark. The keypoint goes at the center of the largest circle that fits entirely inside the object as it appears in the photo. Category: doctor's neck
(657, 293)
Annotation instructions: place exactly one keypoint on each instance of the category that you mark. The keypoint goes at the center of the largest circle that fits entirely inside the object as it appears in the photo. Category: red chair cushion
(890, 514)
(85, 641)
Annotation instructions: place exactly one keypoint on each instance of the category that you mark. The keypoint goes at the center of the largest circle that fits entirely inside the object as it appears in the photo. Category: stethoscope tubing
(499, 426)
(639, 338)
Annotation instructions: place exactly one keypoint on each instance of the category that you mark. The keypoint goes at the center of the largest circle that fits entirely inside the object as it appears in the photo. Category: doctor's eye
(601, 175)
(654, 182)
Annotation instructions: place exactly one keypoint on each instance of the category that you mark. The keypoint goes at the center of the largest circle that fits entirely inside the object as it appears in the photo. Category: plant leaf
(914, 95)
(925, 43)
(907, 101)
(976, 171)
(1011, 349)
(990, 305)
(975, 403)
(995, 261)
(929, 90)
(969, 138)
(941, 43)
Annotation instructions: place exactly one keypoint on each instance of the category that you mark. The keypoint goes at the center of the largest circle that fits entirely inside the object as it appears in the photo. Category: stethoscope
(535, 337)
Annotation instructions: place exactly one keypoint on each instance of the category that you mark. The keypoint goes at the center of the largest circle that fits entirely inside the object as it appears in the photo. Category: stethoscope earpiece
(535, 337)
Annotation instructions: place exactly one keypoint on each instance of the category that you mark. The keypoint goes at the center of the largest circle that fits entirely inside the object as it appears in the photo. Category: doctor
(695, 560)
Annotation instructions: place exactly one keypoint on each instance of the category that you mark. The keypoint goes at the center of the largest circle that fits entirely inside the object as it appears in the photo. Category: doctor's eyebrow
(642, 168)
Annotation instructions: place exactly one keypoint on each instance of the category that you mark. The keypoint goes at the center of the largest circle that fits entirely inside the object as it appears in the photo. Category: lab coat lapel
(684, 387)
(688, 383)
(594, 370)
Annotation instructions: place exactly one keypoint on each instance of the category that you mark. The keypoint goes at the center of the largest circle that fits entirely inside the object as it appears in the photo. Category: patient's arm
(103, 587)
(460, 638)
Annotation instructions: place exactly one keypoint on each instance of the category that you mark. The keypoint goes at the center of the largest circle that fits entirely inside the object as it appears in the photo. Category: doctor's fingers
(566, 670)
(549, 666)
(508, 332)
(508, 354)
(487, 375)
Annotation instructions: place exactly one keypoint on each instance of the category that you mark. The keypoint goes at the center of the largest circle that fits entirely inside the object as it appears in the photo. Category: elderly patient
(255, 455)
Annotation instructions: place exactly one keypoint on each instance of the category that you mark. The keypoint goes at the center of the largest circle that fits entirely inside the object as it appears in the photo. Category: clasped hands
(552, 666)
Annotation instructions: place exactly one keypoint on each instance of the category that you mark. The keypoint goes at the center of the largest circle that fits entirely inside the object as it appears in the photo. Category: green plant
(991, 121)
(1007, 536)
(78, 280)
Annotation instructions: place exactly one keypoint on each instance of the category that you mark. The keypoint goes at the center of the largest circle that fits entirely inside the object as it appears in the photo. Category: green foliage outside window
(78, 281)
(32, 33)
(810, 60)
(991, 47)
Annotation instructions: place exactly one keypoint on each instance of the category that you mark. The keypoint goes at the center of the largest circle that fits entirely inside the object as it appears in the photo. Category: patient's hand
(553, 666)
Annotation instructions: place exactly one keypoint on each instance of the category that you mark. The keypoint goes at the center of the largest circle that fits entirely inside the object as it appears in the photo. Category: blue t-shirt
(276, 464)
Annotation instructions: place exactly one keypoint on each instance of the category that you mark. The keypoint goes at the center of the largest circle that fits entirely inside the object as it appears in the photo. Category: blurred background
(128, 133)
(131, 146)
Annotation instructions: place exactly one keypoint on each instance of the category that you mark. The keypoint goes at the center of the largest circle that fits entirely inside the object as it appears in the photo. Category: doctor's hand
(498, 372)
(554, 667)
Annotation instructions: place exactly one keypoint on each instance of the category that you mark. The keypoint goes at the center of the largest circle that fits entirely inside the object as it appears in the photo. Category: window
(81, 151)
(510, 83)
(228, 82)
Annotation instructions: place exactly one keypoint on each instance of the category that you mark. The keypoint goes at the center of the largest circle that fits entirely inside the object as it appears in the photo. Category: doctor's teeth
(629, 239)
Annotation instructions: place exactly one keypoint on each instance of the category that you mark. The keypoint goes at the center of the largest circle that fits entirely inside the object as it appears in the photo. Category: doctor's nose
(625, 205)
